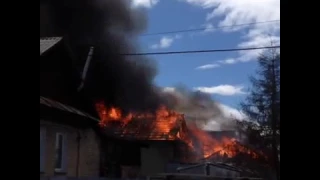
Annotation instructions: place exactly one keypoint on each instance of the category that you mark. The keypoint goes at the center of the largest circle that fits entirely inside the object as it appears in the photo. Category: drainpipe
(207, 169)
(78, 153)
(86, 67)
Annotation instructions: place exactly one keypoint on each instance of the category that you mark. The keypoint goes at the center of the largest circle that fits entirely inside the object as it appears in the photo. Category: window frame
(63, 156)
(42, 149)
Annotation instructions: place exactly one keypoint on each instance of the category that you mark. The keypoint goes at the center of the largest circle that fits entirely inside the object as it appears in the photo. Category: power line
(202, 29)
(200, 51)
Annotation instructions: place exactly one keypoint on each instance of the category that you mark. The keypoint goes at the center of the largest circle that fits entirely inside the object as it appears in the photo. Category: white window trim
(63, 160)
(42, 148)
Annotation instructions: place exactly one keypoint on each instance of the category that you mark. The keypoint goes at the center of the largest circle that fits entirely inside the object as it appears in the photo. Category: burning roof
(166, 124)
(163, 125)
(145, 129)
(233, 148)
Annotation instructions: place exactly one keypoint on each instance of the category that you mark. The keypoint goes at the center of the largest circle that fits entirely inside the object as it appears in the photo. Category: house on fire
(72, 144)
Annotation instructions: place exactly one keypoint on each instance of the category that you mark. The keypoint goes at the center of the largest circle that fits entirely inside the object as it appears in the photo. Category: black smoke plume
(111, 26)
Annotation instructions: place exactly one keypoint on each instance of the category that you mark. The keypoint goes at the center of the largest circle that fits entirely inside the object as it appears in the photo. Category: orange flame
(169, 124)
(164, 121)
(224, 147)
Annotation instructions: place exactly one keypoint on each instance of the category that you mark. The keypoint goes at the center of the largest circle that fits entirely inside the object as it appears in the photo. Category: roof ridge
(48, 43)
(64, 107)
(50, 38)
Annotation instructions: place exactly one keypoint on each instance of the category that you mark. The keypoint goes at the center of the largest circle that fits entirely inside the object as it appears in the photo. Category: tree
(262, 106)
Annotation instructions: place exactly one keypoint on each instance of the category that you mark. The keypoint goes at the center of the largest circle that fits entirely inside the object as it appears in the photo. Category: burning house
(164, 141)
(118, 143)
(138, 132)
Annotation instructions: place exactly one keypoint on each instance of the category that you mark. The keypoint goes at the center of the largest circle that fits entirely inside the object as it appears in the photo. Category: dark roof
(57, 105)
(47, 43)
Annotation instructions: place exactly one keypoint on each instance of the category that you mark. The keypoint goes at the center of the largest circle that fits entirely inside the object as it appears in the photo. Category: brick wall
(89, 156)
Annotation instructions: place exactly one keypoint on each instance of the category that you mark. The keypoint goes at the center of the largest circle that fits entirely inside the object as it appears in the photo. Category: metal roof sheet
(47, 43)
(54, 104)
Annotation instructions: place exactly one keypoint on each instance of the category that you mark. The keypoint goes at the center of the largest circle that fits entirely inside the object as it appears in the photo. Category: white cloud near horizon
(223, 90)
(144, 3)
(165, 42)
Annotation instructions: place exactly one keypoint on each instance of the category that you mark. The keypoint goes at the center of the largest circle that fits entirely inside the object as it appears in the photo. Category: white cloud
(216, 65)
(165, 42)
(228, 61)
(256, 41)
(242, 12)
(208, 66)
(168, 89)
(208, 27)
(144, 3)
(224, 90)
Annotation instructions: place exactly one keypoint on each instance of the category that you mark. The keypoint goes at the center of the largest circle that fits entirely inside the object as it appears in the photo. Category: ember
(166, 124)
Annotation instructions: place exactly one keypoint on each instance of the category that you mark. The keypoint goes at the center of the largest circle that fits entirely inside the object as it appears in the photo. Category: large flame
(169, 124)
(225, 146)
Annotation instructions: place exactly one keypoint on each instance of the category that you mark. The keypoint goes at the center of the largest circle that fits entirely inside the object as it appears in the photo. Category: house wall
(155, 158)
(89, 151)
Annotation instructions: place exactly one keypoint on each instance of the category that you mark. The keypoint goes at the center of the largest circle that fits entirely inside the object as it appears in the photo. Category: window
(42, 149)
(60, 156)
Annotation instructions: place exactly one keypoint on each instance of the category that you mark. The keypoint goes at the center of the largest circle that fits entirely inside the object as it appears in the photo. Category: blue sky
(224, 75)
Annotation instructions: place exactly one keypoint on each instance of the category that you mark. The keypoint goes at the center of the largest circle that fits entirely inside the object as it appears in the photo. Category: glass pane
(58, 157)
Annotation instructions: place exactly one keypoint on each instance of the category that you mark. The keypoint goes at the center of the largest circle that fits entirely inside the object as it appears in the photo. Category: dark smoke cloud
(112, 27)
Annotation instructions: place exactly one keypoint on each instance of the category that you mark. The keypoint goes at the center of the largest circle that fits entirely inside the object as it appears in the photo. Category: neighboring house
(69, 143)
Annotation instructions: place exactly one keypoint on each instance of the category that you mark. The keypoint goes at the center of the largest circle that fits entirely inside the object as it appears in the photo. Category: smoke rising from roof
(198, 108)
(111, 26)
